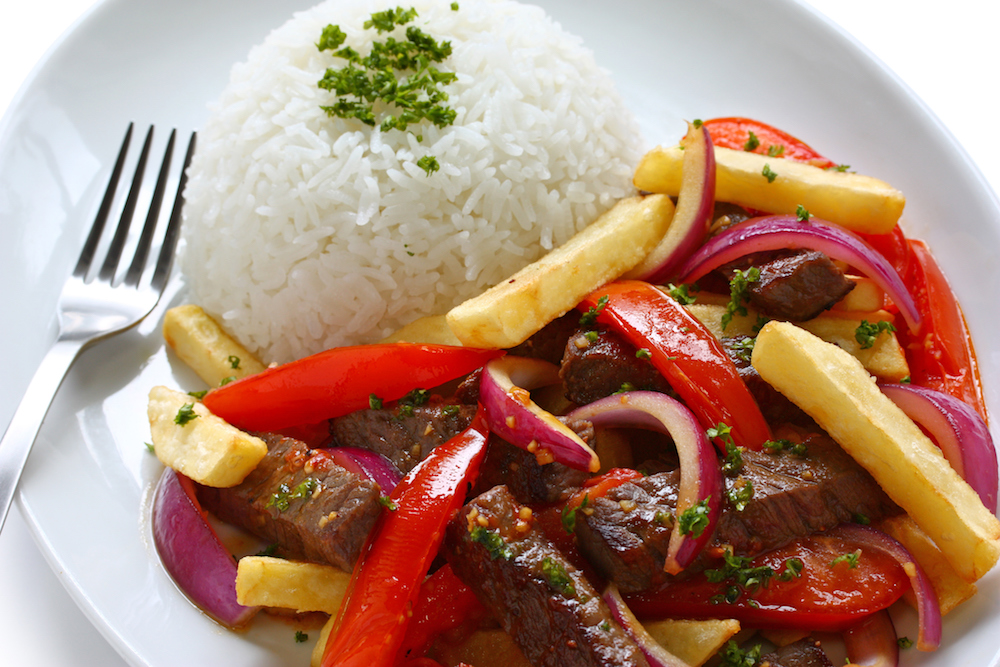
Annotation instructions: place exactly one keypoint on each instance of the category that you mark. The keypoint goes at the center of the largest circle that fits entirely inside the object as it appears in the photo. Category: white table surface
(945, 54)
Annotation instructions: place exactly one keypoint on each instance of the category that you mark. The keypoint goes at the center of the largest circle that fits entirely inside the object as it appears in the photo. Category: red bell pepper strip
(734, 133)
(373, 619)
(686, 354)
(940, 354)
(339, 381)
(832, 592)
(445, 604)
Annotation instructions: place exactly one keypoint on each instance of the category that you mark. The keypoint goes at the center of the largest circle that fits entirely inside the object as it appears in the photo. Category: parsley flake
(429, 164)
(768, 173)
(739, 293)
(752, 143)
(851, 559)
(802, 214)
(590, 317)
(557, 576)
(694, 520)
(681, 294)
(234, 361)
(185, 414)
(867, 333)
(301, 637)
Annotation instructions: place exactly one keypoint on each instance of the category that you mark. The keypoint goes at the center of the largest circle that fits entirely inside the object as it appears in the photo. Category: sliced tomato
(445, 605)
(339, 381)
(940, 355)
(686, 354)
(830, 594)
(734, 133)
(373, 619)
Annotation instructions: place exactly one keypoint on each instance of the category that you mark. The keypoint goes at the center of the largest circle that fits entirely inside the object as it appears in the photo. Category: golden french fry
(433, 330)
(834, 389)
(507, 314)
(275, 582)
(857, 202)
(202, 446)
(692, 641)
(951, 589)
(866, 296)
(884, 359)
(316, 659)
(204, 346)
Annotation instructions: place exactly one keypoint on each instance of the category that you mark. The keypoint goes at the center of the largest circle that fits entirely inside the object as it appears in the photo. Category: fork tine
(94, 237)
(146, 238)
(110, 265)
(170, 237)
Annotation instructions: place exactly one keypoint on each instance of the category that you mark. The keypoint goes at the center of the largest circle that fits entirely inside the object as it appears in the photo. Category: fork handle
(24, 426)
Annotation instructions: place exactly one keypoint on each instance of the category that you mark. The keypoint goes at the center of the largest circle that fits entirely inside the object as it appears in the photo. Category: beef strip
(548, 607)
(528, 481)
(550, 342)
(326, 520)
(773, 405)
(406, 437)
(803, 653)
(593, 369)
(625, 533)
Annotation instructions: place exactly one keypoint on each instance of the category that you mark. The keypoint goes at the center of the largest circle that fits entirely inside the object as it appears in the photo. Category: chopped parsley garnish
(226, 380)
(775, 446)
(454, 6)
(904, 642)
(752, 143)
(740, 494)
(697, 123)
(198, 394)
(625, 388)
(775, 150)
(839, 167)
(736, 569)
(743, 348)
(283, 497)
(851, 559)
(429, 164)
(233, 360)
(802, 214)
(733, 656)
(590, 317)
(386, 502)
(185, 414)
(397, 75)
(734, 455)
(592, 336)
(867, 333)
(374, 402)
(694, 520)
(494, 543)
(416, 397)
(768, 173)
(860, 518)
(739, 287)
(569, 515)
(643, 353)
(269, 550)
(793, 569)
(557, 576)
(301, 637)
(150, 447)
(451, 410)
(681, 294)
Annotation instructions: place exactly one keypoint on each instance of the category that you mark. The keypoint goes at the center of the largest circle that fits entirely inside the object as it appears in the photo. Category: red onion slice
(776, 232)
(873, 642)
(927, 601)
(958, 430)
(193, 555)
(695, 203)
(656, 655)
(368, 464)
(512, 415)
(700, 474)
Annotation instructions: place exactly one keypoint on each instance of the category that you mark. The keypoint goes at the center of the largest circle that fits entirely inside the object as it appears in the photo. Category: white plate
(85, 491)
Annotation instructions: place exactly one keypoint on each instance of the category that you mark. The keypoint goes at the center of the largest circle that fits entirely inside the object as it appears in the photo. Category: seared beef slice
(300, 499)
(600, 364)
(548, 607)
(798, 287)
(625, 533)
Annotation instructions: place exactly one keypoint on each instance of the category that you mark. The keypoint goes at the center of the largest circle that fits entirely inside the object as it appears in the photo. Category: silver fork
(93, 307)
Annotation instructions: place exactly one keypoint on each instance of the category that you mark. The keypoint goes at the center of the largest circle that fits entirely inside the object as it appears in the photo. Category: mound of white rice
(305, 232)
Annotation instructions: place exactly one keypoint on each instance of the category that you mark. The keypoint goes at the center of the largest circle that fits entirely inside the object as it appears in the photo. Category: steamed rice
(305, 232)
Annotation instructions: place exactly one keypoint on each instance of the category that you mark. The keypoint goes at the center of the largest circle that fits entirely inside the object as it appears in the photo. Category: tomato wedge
(940, 355)
(373, 620)
(734, 133)
(445, 605)
(339, 381)
(686, 354)
(831, 593)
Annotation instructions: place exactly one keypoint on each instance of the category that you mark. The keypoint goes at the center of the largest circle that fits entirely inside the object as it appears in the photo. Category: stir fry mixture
(742, 401)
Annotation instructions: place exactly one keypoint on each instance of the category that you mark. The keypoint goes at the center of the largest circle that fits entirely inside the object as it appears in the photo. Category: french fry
(885, 358)
(951, 589)
(205, 448)
(692, 641)
(866, 296)
(204, 346)
(507, 314)
(833, 388)
(433, 330)
(857, 202)
(276, 582)
(316, 659)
